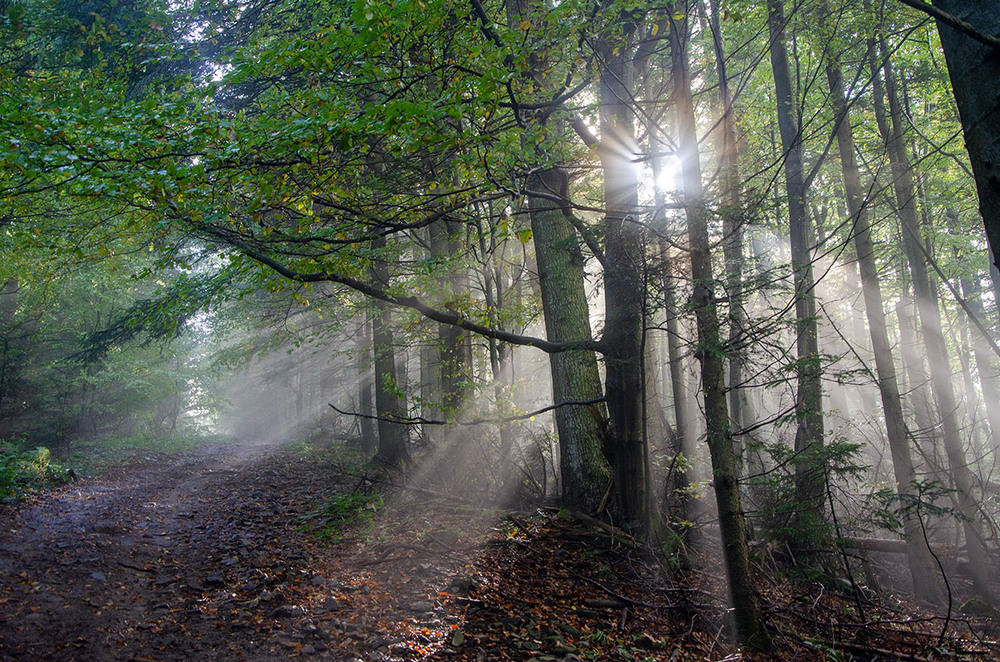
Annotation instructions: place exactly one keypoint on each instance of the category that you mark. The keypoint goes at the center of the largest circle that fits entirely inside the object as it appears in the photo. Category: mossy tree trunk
(575, 376)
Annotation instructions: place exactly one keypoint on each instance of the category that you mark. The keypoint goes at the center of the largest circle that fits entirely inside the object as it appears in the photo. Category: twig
(619, 596)
(516, 521)
(441, 495)
(871, 651)
(136, 568)
(614, 531)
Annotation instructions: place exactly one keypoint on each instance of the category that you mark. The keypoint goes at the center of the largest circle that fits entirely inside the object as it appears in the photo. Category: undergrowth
(342, 516)
(25, 469)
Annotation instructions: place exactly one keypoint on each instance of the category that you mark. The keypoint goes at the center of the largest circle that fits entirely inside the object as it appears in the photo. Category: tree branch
(441, 316)
(420, 420)
(584, 132)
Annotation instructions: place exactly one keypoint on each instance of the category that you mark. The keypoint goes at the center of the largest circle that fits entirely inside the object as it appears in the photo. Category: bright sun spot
(669, 176)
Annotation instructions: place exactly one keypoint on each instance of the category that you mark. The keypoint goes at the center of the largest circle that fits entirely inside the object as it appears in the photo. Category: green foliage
(342, 516)
(161, 316)
(24, 471)
(781, 516)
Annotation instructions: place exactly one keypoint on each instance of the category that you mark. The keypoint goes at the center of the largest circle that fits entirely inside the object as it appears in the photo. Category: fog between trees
(705, 269)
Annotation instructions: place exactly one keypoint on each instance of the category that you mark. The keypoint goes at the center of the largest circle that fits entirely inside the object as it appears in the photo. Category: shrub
(24, 471)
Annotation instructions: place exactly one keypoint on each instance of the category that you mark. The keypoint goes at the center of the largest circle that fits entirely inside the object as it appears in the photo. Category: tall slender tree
(624, 289)
(894, 136)
(918, 553)
(750, 627)
(810, 465)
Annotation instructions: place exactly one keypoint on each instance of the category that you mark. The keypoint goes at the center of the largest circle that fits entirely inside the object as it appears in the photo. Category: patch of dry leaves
(202, 557)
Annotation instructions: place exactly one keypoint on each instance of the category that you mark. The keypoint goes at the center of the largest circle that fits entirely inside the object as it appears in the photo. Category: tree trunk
(930, 323)
(623, 282)
(914, 369)
(986, 365)
(455, 344)
(974, 69)
(750, 629)
(582, 429)
(810, 477)
(921, 563)
(733, 220)
(391, 436)
(684, 447)
(500, 354)
(575, 376)
(8, 345)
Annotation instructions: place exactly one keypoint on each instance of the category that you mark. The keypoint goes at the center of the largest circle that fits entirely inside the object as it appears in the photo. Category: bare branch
(420, 420)
(441, 316)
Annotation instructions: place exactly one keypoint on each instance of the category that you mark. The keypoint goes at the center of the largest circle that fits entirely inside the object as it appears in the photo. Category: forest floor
(203, 555)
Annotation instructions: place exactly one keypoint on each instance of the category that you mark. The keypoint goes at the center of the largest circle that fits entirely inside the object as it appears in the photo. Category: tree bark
(974, 69)
(986, 364)
(575, 376)
(8, 344)
(501, 355)
(583, 435)
(685, 444)
(624, 290)
(391, 436)
(810, 477)
(454, 364)
(733, 220)
(750, 629)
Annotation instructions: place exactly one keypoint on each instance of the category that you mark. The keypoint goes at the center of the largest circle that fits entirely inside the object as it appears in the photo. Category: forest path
(200, 556)
(190, 556)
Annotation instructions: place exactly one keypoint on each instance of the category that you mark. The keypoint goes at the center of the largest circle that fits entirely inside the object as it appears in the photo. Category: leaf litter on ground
(213, 554)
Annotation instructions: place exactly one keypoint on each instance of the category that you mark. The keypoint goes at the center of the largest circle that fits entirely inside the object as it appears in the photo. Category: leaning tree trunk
(750, 628)
(810, 476)
(930, 323)
(974, 69)
(922, 570)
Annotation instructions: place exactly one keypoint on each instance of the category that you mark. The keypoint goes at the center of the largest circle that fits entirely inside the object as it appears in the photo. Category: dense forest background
(704, 268)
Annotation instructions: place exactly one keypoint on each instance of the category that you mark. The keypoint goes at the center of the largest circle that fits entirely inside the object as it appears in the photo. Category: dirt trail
(199, 556)
(151, 562)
